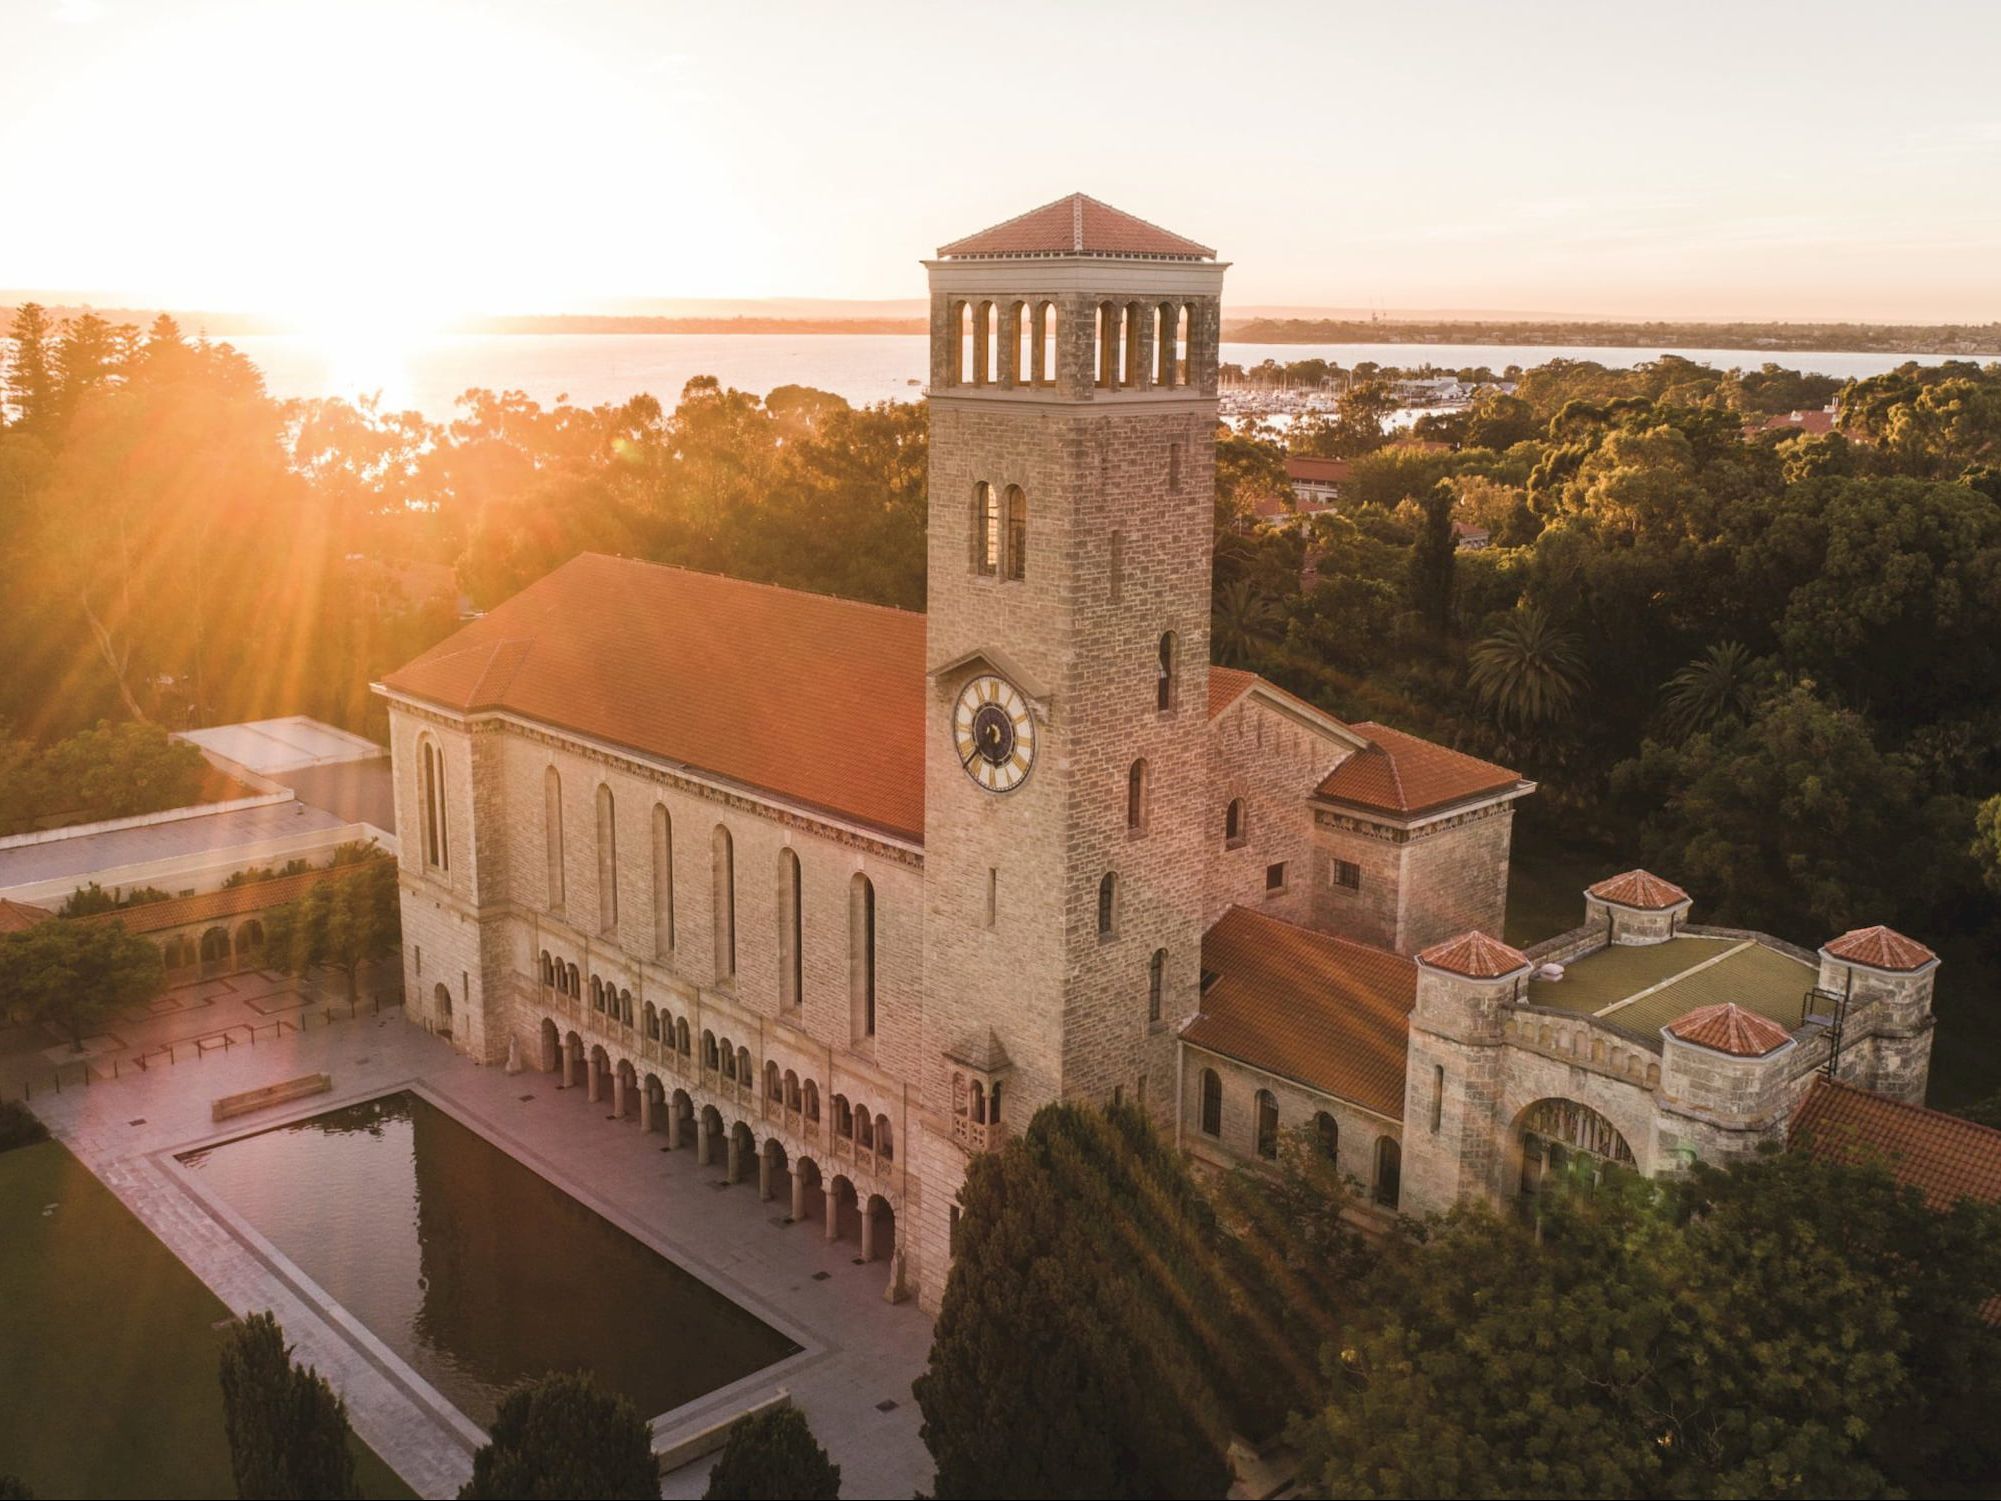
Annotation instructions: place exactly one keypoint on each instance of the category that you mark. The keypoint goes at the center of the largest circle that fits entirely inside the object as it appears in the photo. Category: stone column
(569, 1068)
(618, 1094)
(868, 1234)
(833, 1215)
(645, 1109)
(594, 1086)
(798, 1194)
(673, 1124)
(733, 1171)
(702, 1142)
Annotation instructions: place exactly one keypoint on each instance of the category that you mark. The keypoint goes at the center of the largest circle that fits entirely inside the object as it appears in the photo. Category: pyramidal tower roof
(1076, 225)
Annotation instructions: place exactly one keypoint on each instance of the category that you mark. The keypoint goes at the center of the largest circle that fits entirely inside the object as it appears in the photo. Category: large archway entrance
(1562, 1138)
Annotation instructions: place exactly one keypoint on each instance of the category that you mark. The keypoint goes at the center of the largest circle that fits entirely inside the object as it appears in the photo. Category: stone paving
(852, 1379)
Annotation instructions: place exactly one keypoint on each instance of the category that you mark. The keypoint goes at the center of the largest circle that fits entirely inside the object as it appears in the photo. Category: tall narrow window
(723, 861)
(1136, 797)
(1117, 569)
(434, 807)
(993, 894)
(552, 834)
(1212, 1103)
(962, 318)
(986, 529)
(1267, 1125)
(1164, 685)
(1020, 345)
(1234, 831)
(1017, 533)
(1389, 1172)
(1328, 1133)
(1108, 894)
(607, 860)
(1174, 468)
(861, 955)
(663, 880)
(1156, 983)
(1437, 1096)
(791, 931)
(1045, 345)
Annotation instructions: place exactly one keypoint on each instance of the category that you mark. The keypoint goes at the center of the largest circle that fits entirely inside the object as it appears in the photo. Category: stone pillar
(868, 1234)
(618, 1094)
(673, 1124)
(702, 1142)
(798, 1194)
(833, 1215)
(733, 1171)
(569, 1068)
(594, 1086)
(645, 1109)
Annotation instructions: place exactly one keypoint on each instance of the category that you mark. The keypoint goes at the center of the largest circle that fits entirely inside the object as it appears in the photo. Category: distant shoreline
(1977, 341)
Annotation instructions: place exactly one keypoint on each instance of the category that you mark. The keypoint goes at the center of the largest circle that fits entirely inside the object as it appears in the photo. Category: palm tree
(1241, 623)
(1529, 673)
(1720, 684)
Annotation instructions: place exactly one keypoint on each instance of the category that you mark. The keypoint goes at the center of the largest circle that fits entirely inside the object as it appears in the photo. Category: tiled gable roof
(1328, 1012)
(18, 917)
(1943, 1157)
(1729, 1028)
(1639, 888)
(1400, 773)
(1077, 225)
(1880, 948)
(817, 700)
(1474, 955)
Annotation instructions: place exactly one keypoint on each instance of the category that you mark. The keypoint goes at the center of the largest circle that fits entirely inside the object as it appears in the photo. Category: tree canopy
(560, 1437)
(772, 1456)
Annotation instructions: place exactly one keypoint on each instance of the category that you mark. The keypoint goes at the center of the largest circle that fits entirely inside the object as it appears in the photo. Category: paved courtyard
(860, 1353)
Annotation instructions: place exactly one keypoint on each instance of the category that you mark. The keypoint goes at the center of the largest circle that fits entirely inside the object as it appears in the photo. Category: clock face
(993, 733)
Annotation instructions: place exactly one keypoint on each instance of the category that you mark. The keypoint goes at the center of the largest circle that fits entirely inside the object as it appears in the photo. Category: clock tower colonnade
(1072, 501)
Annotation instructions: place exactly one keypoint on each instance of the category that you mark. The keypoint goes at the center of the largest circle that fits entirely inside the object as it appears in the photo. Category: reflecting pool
(474, 1268)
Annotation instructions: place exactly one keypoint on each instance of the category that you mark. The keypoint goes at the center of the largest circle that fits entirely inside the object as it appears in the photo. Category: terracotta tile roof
(1318, 471)
(1880, 948)
(18, 917)
(1474, 955)
(1077, 225)
(211, 906)
(1399, 773)
(1943, 1157)
(1729, 1028)
(1638, 888)
(1226, 686)
(1815, 422)
(1328, 1012)
(817, 700)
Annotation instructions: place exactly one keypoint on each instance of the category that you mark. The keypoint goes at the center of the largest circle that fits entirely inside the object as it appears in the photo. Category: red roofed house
(858, 889)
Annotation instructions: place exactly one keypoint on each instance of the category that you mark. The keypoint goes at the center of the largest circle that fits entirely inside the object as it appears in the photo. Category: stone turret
(1453, 1079)
(1636, 908)
(1726, 1075)
(1885, 980)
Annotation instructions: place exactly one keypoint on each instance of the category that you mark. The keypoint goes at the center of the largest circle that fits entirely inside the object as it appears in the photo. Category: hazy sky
(1772, 160)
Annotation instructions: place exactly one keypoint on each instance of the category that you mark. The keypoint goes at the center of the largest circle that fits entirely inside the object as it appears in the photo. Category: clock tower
(1072, 497)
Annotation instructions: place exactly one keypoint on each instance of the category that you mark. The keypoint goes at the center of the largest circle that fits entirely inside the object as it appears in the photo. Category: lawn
(108, 1347)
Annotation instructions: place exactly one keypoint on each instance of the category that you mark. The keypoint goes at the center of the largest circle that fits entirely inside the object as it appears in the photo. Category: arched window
(861, 956)
(986, 529)
(1389, 1172)
(723, 880)
(1044, 373)
(791, 931)
(1267, 1126)
(1020, 344)
(435, 833)
(791, 1090)
(1108, 899)
(576, 983)
(1184, 324)
(1234, 830)
(976, 1106)
(681, 1038)
(962, 361)
(1327, 1132)
(813, 1100)
(711, 1058)
(1156, 983)
(885, 1149)
(625, 1007)
(1017, 534)
(774, 1087)
(1212, 1103)
(864, 1129)
(994, 1104)
(663, 880)
(1136, 796)
(597, 994)
(1164, 690)
(552, 834)
(991, 347)
(745, 1073)
(607, 860)
(844, 1117)
(726, 1058)
(548, 971)
(652, 1022)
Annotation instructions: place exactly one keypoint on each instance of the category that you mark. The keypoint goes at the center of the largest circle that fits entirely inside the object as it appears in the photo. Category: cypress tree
(559, 1435)
(773, 1456)
(288, 1431)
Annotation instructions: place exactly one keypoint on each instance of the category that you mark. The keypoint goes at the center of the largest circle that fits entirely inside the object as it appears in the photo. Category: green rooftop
(1643, 987)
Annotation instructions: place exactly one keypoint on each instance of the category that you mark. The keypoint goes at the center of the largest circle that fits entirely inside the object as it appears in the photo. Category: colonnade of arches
(844, 1204)
(217, 949)
(1011, 343)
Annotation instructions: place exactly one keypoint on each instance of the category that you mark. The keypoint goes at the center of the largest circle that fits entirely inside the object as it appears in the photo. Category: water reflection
(475, 1269)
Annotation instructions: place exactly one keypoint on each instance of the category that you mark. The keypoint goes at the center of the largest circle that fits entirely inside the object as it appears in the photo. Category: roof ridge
(1320, 934)
(739, 580)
